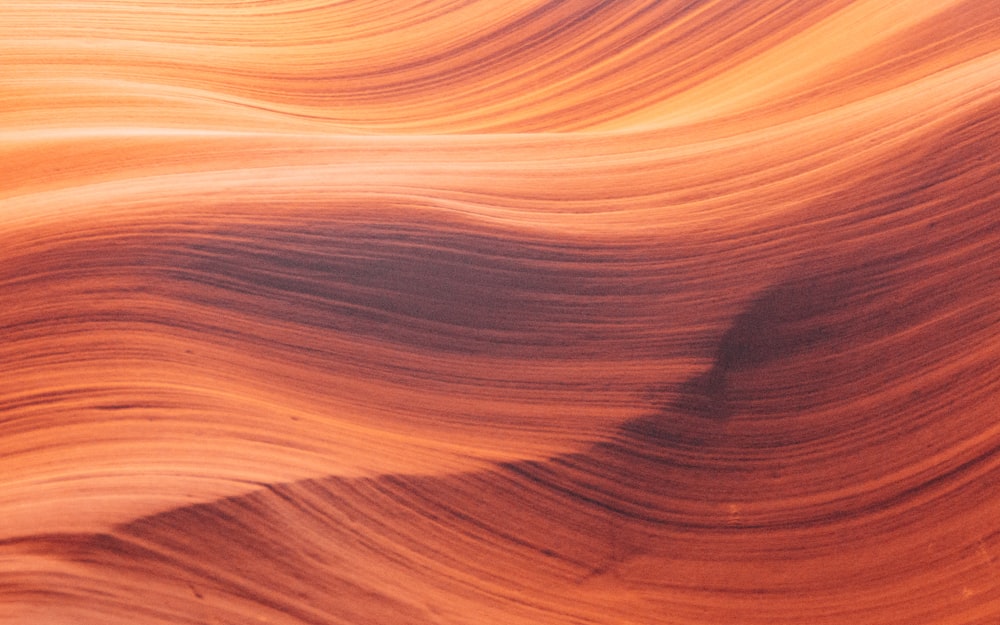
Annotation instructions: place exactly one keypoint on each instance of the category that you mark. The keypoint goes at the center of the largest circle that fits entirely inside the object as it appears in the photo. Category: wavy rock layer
(482, 312)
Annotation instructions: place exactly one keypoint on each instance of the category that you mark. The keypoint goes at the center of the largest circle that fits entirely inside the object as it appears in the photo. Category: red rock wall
(481, 312)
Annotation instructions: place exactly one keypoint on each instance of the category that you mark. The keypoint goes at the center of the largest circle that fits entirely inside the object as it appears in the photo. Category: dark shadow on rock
(787, 320)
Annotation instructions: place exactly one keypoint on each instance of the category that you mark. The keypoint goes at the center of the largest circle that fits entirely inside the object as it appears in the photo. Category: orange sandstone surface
(505, 313)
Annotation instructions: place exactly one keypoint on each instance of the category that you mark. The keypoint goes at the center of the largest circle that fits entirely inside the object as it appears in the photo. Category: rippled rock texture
(524, 312)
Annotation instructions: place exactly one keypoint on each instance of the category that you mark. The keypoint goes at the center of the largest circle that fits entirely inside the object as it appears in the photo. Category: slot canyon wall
(518, 312)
